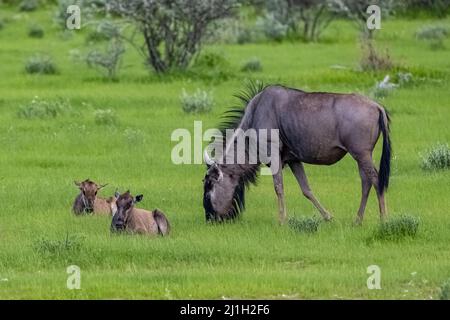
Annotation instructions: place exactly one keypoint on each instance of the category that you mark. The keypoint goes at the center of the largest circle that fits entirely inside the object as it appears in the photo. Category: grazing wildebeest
(134, 220)
(87, 200)
(315, 128)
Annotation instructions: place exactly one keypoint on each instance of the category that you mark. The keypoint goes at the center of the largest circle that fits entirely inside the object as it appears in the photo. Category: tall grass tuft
(252, 65)
(398, 227)
(59, 247)
(35, 31)
(445, 291)
(105, 117)
(43, 109)
(304, 224)
(436, 158)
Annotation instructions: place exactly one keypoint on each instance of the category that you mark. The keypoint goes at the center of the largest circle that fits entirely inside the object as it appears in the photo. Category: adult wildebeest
(87, 200)
(315, 128)
(135, 220)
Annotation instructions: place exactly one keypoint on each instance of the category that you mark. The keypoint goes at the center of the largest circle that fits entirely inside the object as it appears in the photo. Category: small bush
(398, 227)
(35, 31)
(199, 102)
(40, 64)
(252, 65)
(305, 224)
(437, 157)
(28, 5)
(434, 35)
(108, 61)
(42, 109)
(56, 248)
(133, 137)
(445, 291)
(374, 61)
(212, 66)
(272, 28)
(104, 30)
(105, 117)
(244, 35)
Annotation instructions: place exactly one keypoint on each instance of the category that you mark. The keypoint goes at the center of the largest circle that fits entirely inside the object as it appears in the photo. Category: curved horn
(208, 160)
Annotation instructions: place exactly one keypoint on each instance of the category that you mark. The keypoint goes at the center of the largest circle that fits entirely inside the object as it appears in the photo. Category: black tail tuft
(385, 162)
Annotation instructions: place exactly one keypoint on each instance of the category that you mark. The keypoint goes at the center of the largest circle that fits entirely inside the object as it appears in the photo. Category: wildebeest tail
(161, 222)
(385, 162)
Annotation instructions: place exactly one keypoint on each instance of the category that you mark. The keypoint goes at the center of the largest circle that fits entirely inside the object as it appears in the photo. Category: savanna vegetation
(93, 103)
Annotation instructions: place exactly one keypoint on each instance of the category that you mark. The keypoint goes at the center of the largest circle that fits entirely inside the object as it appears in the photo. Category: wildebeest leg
(366, 184)
(369, 177)
(278, 184)
(299, 173)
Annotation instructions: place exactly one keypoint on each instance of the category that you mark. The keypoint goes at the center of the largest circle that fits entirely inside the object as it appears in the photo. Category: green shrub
(437, 157)
(305, 224)
(42, 109)
(28, 5)
(212, 66)
(372, 60)
(271, 27)
(434, 35)
(252, 65)
(445, 291)
(104, 30)
(40, 64)
(199, 102)
(398, 227)
(35, 31)
(105, 117)
(107, 61)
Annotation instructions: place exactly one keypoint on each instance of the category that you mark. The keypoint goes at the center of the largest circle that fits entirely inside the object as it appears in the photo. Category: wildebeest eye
(95, 192)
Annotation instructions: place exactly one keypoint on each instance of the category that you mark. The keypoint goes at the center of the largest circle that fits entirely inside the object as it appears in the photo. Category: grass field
(252, 258)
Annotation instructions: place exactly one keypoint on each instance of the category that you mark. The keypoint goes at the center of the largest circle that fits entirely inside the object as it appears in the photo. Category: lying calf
(88, 202)
(135, 220)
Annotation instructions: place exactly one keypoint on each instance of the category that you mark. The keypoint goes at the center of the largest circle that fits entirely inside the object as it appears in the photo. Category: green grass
(252, 258)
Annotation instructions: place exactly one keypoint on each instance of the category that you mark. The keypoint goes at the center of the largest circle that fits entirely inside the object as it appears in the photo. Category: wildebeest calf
(135, 220)
(88, 201)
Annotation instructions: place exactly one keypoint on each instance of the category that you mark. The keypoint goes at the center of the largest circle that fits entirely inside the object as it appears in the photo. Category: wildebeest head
(223, 192)
(124, 204)
(89, 191)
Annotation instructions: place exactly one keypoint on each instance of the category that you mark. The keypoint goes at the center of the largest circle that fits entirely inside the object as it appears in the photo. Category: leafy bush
(108, 61)
(104, 30)
(244, 35)
(42, 109)
(271, 27)
(40, 64)
(212, 66)
(105, 117)
(435, 36)
(398, 227)
(28, 5)
(437, 157)
(252, 65)
(35, 31)
(445, 291)
(305, 224)
(198, 102)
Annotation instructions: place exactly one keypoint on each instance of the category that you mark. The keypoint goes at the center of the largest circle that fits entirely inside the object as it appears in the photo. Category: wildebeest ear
(78, 184)
(138, 198)
(117, 194)
(102, 186)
